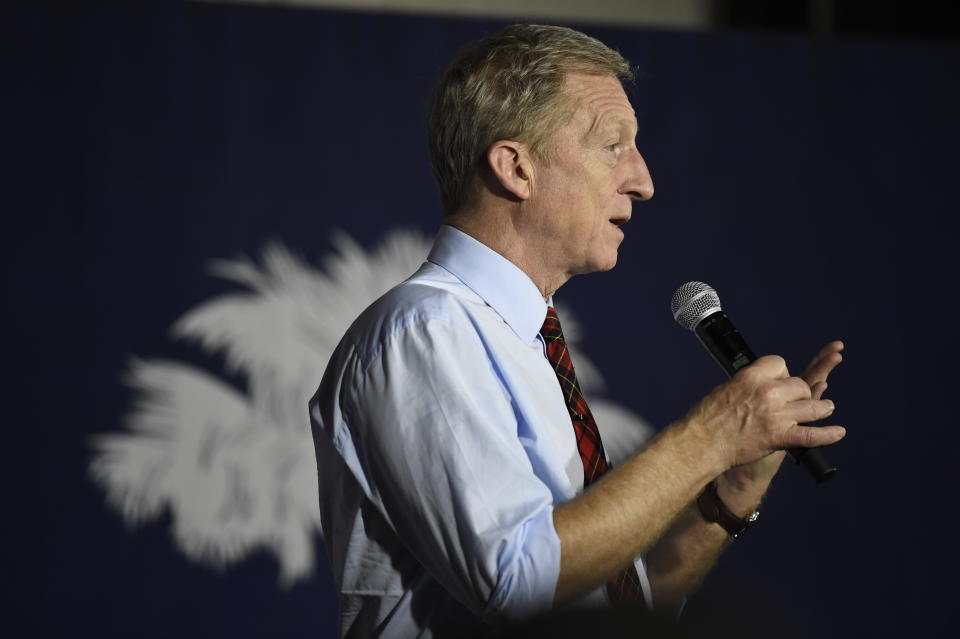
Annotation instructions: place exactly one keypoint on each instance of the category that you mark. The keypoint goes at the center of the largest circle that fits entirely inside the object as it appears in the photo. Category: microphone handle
(728, 348)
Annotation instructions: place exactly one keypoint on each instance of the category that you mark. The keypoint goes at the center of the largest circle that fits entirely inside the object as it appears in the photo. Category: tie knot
(551, 326)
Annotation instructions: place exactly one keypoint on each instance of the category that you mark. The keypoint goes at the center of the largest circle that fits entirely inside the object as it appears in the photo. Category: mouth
(619, 220)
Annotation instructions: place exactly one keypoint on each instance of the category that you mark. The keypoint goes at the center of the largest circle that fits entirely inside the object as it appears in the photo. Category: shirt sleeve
(435, 439)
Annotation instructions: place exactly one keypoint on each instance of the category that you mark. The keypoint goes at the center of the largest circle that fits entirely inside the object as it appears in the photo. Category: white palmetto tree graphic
(235, 469)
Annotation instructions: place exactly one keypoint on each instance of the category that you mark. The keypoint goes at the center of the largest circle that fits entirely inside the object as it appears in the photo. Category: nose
(637, 182)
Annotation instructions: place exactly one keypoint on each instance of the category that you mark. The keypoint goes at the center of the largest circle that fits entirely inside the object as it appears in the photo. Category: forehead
(600, 101)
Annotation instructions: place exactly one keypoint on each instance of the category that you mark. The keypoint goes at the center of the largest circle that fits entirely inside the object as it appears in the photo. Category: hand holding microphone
(768, 406)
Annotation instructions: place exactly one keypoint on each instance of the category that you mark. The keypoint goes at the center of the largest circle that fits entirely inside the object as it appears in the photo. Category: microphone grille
(692, 302)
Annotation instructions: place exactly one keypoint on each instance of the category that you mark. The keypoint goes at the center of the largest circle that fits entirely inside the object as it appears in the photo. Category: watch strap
(716, 512)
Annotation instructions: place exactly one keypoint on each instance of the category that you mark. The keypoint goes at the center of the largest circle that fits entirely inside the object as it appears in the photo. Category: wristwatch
(716, 512)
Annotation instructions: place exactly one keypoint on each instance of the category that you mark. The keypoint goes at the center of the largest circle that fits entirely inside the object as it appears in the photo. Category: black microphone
(696, 307)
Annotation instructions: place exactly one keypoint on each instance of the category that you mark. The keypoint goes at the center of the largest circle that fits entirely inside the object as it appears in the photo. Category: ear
(510, 167)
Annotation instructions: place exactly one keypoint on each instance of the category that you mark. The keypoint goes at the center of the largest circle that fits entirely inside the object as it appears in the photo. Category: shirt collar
(497, 280)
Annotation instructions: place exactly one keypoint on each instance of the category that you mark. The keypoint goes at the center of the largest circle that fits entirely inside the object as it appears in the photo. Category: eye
(615, 149)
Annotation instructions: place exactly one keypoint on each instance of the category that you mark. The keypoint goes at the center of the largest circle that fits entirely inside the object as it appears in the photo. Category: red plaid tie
(624, 588)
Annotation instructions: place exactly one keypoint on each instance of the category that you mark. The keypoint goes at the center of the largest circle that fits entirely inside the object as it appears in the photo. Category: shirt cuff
(529, 568)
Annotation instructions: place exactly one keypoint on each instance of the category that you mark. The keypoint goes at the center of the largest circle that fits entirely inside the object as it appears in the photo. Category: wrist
(715, 511)
(702, 444)
(742, 498)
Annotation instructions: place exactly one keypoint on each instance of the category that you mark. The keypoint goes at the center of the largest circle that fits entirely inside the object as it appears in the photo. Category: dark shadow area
(881, 18)
(727, 621)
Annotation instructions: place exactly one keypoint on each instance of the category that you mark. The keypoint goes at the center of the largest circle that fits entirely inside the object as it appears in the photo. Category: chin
(609, 265)
(604, 263)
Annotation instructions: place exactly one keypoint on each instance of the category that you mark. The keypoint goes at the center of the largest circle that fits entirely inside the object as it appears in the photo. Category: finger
(770, 367)
(826, 351)
(809, 410)
(821, 371)
(830, 347)
(812, 436)
(817, 390)
(792, 389)
(820, 368)
(815, 361)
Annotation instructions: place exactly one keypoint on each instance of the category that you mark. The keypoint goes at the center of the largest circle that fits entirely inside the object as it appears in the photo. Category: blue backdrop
(810, 181)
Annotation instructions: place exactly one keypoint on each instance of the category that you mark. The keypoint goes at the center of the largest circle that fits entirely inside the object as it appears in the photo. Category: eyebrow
(601, 123)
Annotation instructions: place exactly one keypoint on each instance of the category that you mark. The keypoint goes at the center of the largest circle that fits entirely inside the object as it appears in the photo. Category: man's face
(581, 197)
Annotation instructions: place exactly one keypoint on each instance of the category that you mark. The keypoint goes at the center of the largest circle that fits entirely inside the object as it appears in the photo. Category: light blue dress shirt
(443, 445)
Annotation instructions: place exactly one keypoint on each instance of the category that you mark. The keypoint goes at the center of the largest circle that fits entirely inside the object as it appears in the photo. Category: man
(452, 442)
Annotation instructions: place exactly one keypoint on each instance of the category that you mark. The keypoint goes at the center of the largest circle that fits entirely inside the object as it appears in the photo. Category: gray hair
(507, 86)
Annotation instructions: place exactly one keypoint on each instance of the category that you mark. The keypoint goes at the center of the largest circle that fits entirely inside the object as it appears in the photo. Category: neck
(496, 228)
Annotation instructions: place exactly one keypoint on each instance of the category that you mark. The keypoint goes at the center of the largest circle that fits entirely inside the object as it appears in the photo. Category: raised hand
(750, 479)
(761, 410)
